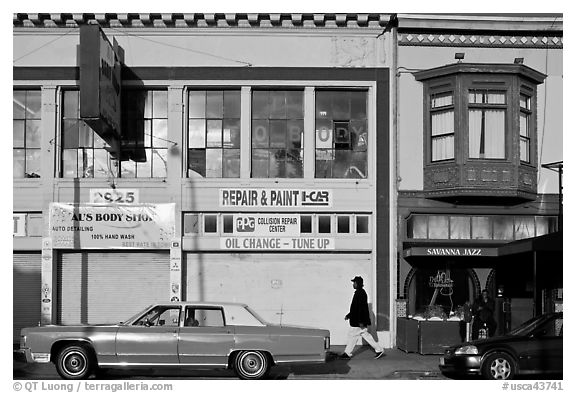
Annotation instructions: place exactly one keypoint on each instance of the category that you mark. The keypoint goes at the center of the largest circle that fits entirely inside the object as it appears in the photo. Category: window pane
(196, 162)
(359, 135)
(144, 169)
(525, 102)
(231, 163)
(196, 134)
(324, 134)
(524, 227)
(196, 104)
(159, 163)
(294, 163)
(358, 105)
(213, 162)
(545, 225)
(147, 97)
(232, 104)
(231, 137)
(324, 224)
(191, 222)
(71, 105)
(227, 220)
(32, 163)
(305, 224)
(33, 105)
(277, 101)
(102, 168)
(494, 134)
(503, 228)
(278, 133)
(294, 105)
(69, 163)
(341, 109)
(324, 160)
(260, 104)
(128, 169)
(295, 134)
(19, 104)
(259, 163)
(214, 133)
(343, 224)
(210, 223)
(160, 133)
(19, 164)
(361, 224)
(260, 133)
(417, 227)
(481, 228)
(160, 104)
(496, 98)
(214, 104)
(459, 227)
(277, 160)
(438, 227)
(524, 150)
(443, 148)
(18, 133)
(524, 124)
(442, 123)
(440, 100)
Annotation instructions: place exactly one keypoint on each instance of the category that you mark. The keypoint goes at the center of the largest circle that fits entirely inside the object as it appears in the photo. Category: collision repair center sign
(266, 197)
(146, 226)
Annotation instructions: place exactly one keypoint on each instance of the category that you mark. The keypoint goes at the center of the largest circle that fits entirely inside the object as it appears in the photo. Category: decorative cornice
(553, 41)
(175, 20)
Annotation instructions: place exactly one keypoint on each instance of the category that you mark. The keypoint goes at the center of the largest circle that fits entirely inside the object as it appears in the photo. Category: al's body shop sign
(149, 226)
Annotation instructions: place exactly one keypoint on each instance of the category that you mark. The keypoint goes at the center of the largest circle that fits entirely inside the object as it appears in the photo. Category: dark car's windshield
(533, 324)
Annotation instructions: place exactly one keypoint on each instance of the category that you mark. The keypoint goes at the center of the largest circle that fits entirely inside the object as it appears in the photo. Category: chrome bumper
(25, 355)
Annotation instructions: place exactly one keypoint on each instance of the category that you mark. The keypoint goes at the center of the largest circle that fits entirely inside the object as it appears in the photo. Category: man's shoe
(379, 355)
(344, 356)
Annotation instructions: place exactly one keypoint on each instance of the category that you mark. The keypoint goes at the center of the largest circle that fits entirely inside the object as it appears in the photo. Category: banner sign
(266, 197)
(267, 224)
(276, 243)
(114, 226)
(451, 252)
(114, 195)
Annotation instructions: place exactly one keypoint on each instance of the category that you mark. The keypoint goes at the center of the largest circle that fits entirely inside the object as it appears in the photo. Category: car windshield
(527, 327)
(255, 315)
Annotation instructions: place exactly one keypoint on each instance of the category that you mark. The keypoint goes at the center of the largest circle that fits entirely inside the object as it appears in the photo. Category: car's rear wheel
(251, 365)
(74, 362)
(499, 366)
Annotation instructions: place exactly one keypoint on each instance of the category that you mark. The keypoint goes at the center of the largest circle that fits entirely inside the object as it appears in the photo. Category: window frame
(530, 126)
(25, 119)
(442, 109)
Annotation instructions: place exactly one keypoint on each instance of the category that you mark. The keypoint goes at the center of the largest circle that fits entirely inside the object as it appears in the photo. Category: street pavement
(395, 364)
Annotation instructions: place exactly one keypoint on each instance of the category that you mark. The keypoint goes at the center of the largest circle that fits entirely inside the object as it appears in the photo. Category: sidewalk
(395, 364)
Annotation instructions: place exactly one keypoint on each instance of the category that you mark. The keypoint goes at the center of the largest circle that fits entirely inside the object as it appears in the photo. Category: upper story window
(145, 115)
(277, 134)
(442, 128)
(480, 132)
(486, 124)
(26, 133)
(214, 133)
(525, 127)
(83, 153)
(341, 134)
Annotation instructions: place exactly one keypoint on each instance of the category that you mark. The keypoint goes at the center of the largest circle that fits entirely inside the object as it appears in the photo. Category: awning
(551, 242)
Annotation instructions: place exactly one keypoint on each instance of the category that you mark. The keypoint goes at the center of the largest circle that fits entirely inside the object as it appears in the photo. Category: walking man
(359, 318)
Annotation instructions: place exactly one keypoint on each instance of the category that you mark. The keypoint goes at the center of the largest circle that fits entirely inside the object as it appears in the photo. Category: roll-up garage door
(27, 280)
(292, 289)
(107, 287)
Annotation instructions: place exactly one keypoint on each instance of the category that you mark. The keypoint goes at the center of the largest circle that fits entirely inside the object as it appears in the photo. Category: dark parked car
(535, 347)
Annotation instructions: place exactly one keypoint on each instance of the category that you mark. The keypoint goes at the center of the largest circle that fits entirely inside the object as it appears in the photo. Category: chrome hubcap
(252, 364)
(74, 363)
(500, 369)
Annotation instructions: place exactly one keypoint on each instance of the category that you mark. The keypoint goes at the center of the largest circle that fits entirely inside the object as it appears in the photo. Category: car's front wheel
(74, 362)
(499, 366)
(251, 365)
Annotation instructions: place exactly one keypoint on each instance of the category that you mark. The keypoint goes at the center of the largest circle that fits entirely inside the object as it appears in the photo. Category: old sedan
(194, 335)
(535, 347)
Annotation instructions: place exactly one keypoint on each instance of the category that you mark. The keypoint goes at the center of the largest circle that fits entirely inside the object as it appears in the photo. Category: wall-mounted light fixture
(459, 56)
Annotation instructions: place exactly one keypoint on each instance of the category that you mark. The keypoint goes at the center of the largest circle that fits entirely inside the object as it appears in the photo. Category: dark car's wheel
(499, 366)
(74, 362)
(251, 365)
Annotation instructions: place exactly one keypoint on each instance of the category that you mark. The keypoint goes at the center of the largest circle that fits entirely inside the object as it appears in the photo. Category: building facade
(479, 111)
(209, 157)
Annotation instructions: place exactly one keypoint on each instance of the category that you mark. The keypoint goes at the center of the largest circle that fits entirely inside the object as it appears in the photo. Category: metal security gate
(26, 296)
(293, 289)
(109, 287)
